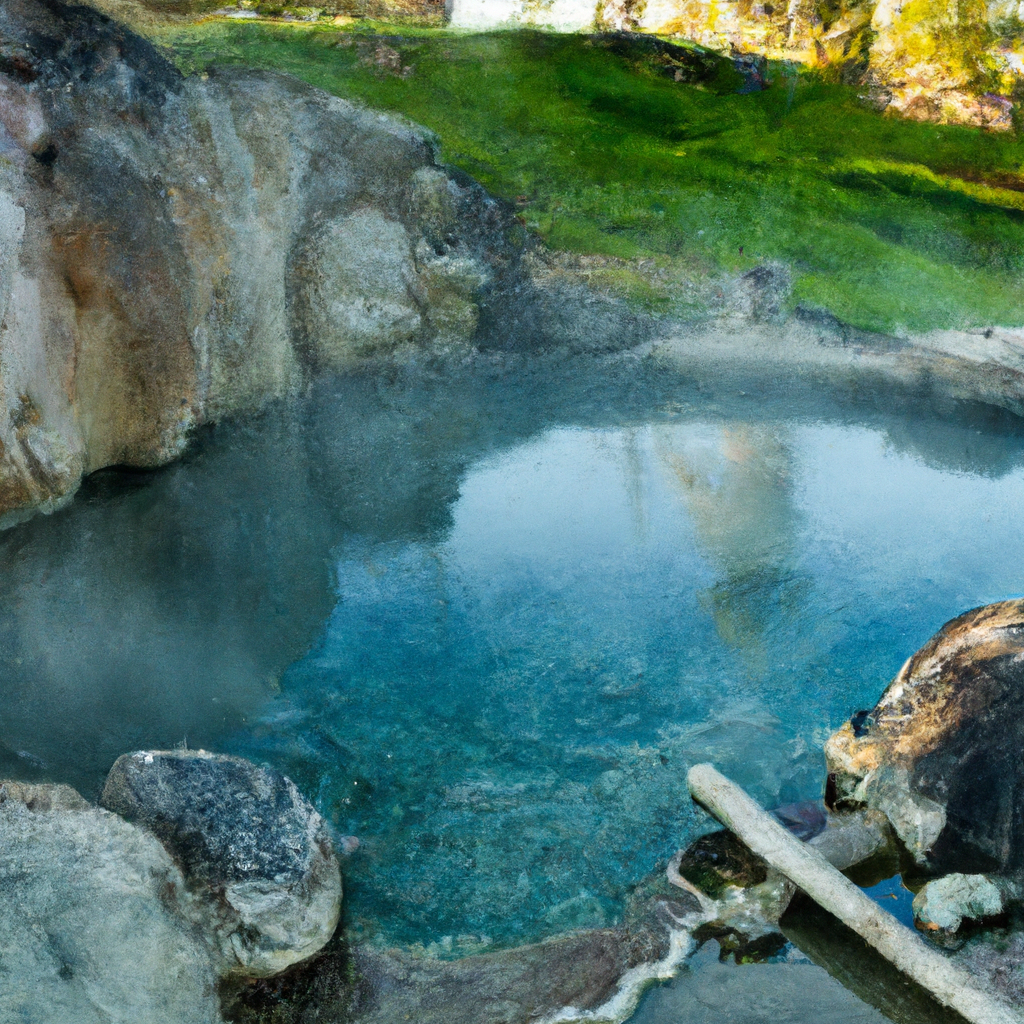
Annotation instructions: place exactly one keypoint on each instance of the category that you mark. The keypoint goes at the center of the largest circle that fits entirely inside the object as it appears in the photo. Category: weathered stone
(91, 919)
(944, 902)
(587, 970)
(176, 250)
(996, 956)
(255, 854)
(940, 752)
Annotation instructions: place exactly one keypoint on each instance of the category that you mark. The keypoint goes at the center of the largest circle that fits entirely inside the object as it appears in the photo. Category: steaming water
(487, 622)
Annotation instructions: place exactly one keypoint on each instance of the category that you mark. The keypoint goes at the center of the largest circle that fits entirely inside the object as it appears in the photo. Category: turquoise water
(503, 717)
(487, 621)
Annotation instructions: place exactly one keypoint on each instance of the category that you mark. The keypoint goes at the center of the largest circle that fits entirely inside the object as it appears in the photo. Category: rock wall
(175, 250)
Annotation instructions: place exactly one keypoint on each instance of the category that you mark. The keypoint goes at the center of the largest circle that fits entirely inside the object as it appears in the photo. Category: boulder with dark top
(255, 854)
(940, 753)
(93, 919)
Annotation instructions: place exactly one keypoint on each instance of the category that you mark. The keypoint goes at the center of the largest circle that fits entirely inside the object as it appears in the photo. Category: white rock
(90, 931)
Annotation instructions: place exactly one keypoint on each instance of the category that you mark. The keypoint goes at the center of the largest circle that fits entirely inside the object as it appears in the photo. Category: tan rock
(173, 251)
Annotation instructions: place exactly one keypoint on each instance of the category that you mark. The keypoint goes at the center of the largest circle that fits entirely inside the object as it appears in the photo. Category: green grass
(892, 225)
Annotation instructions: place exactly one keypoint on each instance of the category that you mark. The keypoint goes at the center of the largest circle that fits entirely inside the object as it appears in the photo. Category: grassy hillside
(891, 225)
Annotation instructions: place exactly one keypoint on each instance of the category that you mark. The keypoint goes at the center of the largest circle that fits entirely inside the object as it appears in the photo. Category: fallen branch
(809, 870)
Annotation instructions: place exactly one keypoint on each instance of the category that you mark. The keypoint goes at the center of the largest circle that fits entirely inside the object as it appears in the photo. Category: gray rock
(944, 903)
(996, 957)
(91, 919)
(367, 985)
(255, 855)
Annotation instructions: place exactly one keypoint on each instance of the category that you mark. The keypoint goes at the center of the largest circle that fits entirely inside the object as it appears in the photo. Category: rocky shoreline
(206, 888)
(278, 233)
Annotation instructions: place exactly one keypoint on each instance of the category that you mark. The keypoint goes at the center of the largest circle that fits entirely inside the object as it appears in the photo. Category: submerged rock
(255, 854)
(939, 754)
(743, 897)
(91, 919)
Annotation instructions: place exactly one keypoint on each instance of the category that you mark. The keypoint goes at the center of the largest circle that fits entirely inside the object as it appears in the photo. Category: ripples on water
(487, 620)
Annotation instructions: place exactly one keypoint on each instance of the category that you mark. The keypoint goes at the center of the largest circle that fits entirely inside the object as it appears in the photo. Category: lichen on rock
(943, 904)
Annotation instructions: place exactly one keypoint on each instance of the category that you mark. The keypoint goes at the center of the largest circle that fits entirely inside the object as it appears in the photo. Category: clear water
(487, 620)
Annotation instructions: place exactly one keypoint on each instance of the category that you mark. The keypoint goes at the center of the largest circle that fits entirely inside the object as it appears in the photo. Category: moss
(891, 225)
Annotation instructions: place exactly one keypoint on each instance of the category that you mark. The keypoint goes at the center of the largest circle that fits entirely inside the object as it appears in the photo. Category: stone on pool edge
(253, 851)
(91, 918)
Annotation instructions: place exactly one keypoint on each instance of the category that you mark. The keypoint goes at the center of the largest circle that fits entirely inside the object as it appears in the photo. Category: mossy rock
(719, 860)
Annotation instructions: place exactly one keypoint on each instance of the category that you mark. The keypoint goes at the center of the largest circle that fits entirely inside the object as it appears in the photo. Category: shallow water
(487, 619)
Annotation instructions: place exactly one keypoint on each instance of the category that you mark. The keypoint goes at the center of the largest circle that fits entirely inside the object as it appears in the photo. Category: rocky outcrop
(173, 251)
(91, 918)
(939, 754)
(945, 60)
(255, 855)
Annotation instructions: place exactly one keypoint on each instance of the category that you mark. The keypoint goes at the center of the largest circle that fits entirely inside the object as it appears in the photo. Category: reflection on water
(735, 483)
(487, 620)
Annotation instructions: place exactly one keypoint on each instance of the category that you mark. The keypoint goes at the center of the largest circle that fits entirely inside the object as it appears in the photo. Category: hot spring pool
(487, 622)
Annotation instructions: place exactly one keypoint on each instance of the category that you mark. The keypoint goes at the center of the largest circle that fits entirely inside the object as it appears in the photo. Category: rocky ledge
(175, 250)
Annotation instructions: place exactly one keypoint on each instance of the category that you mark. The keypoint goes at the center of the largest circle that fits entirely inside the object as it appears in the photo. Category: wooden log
(811, 872)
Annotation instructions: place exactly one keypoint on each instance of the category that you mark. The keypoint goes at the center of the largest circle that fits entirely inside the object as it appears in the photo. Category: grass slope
(891, 225)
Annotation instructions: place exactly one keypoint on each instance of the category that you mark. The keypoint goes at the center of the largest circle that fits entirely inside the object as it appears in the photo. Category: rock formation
(939, 754)
(175, 250)
(90, 915)
(255, 855)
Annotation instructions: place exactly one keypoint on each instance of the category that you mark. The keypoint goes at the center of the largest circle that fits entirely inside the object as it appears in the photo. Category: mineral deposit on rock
(939, 754)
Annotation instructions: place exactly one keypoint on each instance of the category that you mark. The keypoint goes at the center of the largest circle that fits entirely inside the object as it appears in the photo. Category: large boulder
(174, 250)
(91, 919)
(940, 753)
(255, 855)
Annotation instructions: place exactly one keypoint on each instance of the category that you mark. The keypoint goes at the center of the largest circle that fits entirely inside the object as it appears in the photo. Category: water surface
(486, 619)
